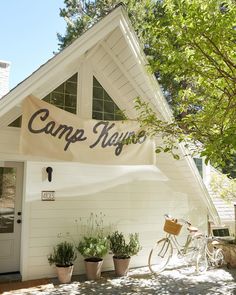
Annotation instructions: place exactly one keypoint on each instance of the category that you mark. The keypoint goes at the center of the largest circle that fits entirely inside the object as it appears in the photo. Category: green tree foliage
(223, 187)
(80, 15)
(193, 52)
(190, 45)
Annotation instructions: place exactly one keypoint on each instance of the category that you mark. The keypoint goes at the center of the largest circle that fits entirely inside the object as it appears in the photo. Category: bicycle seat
(214, 243)
(198, 234)
(192, 229)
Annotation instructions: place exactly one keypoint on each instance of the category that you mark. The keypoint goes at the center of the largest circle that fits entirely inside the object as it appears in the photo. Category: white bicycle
(195, 247)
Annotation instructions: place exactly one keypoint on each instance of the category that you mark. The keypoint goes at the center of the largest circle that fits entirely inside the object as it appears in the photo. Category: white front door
(11, 179)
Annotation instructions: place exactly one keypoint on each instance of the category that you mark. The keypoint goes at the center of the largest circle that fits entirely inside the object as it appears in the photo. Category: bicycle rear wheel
(201, 263)
(160, 256)
(218, 257)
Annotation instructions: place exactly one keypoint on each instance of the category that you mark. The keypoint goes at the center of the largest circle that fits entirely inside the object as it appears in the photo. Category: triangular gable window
(104, 108)
(63, 97)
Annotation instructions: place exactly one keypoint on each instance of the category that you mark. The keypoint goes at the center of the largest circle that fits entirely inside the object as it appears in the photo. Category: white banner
(51, 132)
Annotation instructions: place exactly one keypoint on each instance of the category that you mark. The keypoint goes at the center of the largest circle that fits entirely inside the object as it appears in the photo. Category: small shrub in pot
(94, 245)
(63, 256)
(123, 250)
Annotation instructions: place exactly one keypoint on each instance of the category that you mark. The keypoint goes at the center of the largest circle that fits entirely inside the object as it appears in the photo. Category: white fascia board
(79, 47)
(204, 192)
(158, 101)
(162, 106)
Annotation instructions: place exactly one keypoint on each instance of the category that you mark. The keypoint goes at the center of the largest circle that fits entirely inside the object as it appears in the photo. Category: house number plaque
(48, 196)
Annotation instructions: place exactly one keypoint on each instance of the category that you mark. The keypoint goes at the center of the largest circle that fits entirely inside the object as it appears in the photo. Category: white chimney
(4, 77)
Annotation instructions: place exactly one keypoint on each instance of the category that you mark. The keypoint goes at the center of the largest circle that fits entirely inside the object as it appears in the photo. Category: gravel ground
(182, 280)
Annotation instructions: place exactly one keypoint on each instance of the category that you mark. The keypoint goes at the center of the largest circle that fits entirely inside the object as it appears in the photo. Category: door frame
(19, 165)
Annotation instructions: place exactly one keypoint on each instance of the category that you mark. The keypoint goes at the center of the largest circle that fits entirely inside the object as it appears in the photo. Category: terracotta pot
(64, 273)
(93, 267)
(121, 266)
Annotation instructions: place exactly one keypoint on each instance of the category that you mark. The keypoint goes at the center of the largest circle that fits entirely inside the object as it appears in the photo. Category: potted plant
(93, 246)
(123, 250)
(63, 256)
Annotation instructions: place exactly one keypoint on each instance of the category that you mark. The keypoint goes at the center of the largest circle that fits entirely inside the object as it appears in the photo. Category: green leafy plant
(224, 187)
(93, 247)
(122, 249)
(94, 244)
(63, 255)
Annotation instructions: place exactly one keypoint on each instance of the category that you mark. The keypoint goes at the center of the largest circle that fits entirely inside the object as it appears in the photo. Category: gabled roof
(61, 66)
(114, 37)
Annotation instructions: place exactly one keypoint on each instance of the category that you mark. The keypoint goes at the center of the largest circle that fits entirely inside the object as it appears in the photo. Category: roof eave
(78, 47)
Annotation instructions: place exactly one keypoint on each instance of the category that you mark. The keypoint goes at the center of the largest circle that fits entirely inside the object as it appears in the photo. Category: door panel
(11, 177)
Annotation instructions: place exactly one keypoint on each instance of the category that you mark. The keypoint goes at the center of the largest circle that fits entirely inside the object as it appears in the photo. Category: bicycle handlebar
(167, 216)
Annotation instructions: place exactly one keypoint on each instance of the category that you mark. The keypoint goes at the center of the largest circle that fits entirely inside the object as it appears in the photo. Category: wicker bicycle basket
(172, 227)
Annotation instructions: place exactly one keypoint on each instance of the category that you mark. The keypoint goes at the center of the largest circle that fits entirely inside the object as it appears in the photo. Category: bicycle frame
(181, 250)
(194, 249)
(214, 256)
(164, 248)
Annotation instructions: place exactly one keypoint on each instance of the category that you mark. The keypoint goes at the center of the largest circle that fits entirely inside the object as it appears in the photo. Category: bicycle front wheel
(160, 255)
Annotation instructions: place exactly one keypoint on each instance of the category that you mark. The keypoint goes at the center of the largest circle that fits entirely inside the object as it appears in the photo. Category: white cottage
(102, 71)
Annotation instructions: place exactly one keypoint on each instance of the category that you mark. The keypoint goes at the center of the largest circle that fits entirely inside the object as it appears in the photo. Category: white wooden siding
(113, 37)
(114, 75)
(137, 206)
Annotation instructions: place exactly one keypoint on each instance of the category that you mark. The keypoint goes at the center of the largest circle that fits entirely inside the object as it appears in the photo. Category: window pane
(70, 110)
(97, 116)
(16, 123)
(70, 100)
(63, 97)
(107, 97)
(71, 87)
(47, 98)
(119, 117)
(73, 78)
(59, 88)
(104, 108)
(96, 83)
(57, 99)
(7, 199)
(98, 92)
(109, 107)
(97, 105)
(109, 117)
(198, 162)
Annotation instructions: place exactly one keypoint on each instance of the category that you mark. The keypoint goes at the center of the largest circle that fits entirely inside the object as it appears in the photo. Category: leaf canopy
(191, 48)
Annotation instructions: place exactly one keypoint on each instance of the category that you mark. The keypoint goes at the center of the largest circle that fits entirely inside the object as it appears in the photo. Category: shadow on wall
(100, 179)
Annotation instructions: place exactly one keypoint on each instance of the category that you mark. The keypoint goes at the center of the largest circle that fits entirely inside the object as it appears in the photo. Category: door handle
(18, 221)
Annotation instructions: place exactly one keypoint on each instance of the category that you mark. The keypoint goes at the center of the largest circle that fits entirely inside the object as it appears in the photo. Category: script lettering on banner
(54, 133)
